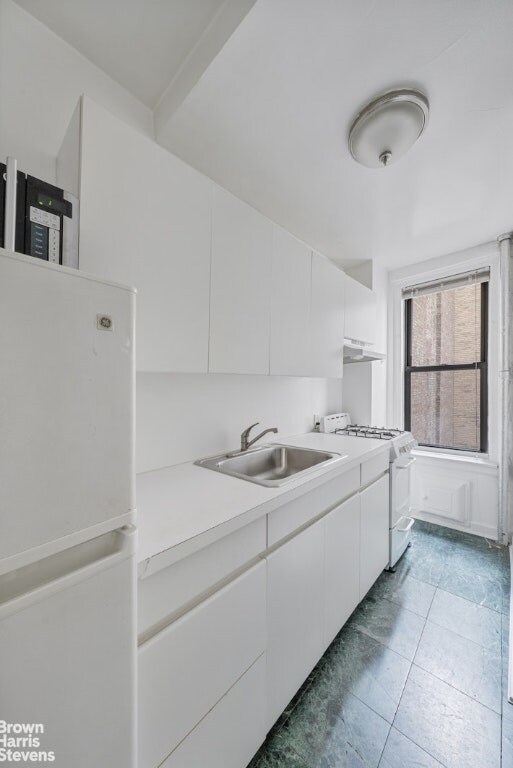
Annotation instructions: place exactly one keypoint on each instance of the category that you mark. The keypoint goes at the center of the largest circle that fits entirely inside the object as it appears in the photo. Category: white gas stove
(401, 445)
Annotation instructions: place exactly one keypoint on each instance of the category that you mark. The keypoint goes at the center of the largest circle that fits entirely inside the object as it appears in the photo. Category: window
(445, 404)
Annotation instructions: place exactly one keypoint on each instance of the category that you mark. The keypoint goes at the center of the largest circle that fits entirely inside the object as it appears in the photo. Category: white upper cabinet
(220, 288)
(146, 221)
(240, 287)
(327, 318)
(360, 324)
(290, 306)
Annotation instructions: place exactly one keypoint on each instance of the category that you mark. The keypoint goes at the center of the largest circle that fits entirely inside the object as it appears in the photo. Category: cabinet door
(186, 668)
(290, 310)
(240, 287)
(361, 304)
(374, 533)
(327, 318)
(294, 616)
(145, 220)
(342, 566)
(231, 733)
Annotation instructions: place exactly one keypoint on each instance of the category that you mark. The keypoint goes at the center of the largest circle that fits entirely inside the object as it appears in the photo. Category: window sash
(481, 365)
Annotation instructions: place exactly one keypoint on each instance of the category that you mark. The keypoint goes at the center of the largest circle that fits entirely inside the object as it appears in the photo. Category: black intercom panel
(45, 209)
(46, 219)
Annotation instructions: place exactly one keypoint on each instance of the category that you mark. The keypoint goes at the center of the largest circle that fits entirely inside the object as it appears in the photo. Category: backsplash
(183, 417)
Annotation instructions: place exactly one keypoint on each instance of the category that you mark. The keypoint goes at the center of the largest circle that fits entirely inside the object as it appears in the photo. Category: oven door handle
(406, 464)
(408, 525)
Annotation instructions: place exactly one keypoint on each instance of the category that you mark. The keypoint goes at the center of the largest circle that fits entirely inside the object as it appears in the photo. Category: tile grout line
(412, 664)
(429, 672)
(458, 690)
(362, 629)
(487, 648)
(385, 744)
(443, 765)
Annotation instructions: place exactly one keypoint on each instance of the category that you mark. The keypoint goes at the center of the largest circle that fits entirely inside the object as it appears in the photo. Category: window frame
(481, 365)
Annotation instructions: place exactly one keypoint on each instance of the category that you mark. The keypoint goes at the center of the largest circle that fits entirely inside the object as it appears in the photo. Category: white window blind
(447, 283)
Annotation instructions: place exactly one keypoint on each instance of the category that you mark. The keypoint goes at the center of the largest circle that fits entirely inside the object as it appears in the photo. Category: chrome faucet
(245, 442)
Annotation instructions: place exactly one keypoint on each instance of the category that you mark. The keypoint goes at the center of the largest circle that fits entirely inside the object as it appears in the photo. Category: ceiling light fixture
(386, 128)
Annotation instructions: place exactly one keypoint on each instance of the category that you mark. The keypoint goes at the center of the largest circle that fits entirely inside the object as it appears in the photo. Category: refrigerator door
(66, 408)
(68, 654)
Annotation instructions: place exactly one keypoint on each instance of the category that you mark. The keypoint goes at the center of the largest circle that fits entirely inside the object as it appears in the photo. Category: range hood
(360, 353)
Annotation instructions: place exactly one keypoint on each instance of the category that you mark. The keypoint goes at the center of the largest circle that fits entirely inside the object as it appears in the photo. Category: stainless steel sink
(270, 465)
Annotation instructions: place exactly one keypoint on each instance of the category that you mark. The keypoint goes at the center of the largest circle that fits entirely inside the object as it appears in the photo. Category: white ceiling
(269, 120)
(267, 115)
(140, 43)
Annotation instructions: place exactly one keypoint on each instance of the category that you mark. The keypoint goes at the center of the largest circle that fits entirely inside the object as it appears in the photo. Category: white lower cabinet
(213, 682)
(315, 581)
(295, 581)
(187, 667)
(374, 532)
(341, 566)
(233, 730)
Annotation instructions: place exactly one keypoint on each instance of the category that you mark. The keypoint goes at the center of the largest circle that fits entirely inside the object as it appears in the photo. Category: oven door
(400, 488)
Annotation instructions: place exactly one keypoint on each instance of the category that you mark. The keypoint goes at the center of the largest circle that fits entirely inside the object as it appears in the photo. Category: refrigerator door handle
(39, 580)
(11, 178)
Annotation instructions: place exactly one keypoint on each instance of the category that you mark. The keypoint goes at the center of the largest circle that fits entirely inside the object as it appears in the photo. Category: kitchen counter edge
(166, 537)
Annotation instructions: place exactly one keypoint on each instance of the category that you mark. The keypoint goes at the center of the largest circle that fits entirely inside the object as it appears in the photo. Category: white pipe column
(506, 390)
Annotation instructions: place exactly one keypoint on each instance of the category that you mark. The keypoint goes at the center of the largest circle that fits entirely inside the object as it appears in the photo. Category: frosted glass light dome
(386, 128)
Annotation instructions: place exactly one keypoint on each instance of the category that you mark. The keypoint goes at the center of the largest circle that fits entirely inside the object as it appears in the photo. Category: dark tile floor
(417, 677)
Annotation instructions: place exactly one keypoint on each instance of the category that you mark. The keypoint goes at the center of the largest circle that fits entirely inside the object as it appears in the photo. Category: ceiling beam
(222, 26)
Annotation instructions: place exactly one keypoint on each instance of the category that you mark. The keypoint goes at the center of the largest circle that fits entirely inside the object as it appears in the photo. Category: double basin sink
(270, 465)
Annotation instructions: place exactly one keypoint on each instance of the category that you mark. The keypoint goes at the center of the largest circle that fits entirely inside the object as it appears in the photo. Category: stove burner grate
(377, 433)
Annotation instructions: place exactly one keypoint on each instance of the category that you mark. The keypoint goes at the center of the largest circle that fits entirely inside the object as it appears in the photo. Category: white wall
(365, 384)
(41, 80)
(357, 399)
(458, 493)
(379, 370)
(183, 417)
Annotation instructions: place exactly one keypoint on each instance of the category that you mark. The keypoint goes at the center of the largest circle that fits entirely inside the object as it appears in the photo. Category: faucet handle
(246, 432)
(244, 438)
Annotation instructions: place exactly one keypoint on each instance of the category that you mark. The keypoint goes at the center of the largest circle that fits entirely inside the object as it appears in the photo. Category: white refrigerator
(67, 513)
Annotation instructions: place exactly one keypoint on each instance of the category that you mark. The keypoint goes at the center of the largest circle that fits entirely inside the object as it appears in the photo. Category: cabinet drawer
(291, 516)
(373, 468)
(233, 730)
(167, 591)
(186, 669)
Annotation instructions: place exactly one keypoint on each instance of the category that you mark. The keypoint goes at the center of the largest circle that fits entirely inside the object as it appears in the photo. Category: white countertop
(185, 507)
